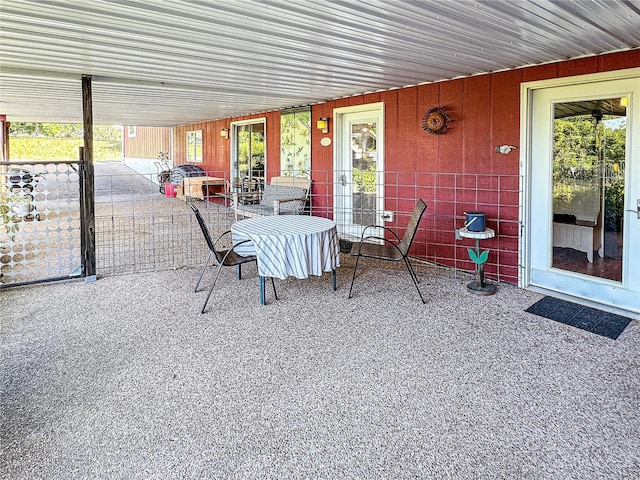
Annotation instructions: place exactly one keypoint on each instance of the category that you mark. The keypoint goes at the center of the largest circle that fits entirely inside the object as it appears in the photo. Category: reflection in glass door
(589, 149)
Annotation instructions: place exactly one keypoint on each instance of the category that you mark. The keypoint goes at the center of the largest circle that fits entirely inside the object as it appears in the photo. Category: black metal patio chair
(393, 250)
(223, 249)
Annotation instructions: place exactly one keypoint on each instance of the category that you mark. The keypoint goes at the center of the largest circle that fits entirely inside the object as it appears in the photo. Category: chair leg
(239, 271)
(354, 275)
(206, 264)
(273, 284)
(204, 307)
(414, 278)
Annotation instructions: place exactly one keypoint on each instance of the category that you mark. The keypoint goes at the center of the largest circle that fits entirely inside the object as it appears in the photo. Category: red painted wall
(485, 112)
(451, 171)
(217, 150)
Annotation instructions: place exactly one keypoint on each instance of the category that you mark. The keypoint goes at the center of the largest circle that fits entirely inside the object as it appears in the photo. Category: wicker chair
(394, 250)
(223, 249)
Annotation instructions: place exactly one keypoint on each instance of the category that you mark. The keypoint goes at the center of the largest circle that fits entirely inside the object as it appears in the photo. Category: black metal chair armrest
(385, 240)
(386, 229)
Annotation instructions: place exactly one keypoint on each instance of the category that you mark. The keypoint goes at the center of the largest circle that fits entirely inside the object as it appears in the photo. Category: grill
(179, 173)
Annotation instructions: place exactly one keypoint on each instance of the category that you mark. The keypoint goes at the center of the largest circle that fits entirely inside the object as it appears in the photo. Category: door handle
(343, 180)
(637, 210)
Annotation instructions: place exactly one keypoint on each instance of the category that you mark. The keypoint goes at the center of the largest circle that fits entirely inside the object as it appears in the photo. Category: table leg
(263, 301)
(334, 282)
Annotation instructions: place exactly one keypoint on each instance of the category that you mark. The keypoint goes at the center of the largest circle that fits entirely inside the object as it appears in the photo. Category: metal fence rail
(139, 229)
(157, 242)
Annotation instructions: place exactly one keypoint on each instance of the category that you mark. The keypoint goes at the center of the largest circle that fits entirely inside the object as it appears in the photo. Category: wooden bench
(578, 224)
(283, 196)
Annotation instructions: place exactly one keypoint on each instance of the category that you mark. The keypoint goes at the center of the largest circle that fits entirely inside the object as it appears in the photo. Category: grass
(37, 148)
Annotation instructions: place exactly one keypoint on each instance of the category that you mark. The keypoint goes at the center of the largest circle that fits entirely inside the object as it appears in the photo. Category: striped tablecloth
(289, 245)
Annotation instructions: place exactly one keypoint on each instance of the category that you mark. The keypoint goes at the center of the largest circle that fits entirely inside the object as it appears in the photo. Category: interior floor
(609, 266)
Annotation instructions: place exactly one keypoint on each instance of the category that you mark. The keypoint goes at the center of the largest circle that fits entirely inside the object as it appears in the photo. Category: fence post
(87, 187)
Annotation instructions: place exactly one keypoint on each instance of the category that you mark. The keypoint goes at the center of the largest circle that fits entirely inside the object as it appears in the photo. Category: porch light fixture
(624, 101)
(224, 133)
(323, 124)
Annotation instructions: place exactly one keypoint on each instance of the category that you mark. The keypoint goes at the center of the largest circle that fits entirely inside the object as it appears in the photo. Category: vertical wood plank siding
(216, 151)
(486, 112)
(148, 142)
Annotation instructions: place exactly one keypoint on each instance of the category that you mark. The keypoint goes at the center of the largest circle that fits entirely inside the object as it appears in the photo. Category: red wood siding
(216, 150)
(148, 142)
(461, 166)
(453, 171)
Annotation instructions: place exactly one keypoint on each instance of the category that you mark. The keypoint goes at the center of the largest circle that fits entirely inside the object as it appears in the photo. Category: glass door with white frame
(585, 189)
(248, 157)
(359, 166)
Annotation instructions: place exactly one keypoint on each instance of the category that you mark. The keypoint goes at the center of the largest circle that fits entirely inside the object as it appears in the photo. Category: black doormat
(590, 319)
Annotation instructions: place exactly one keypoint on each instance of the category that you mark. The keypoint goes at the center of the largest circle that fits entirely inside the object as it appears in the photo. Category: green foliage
(4, 210)
(250, 144)
(365, 180)
(57, 141)
(614, 198)
(586, 155)
(575, 147)
(38, 148)
(614, 144)
(62, 130)
(565, 192)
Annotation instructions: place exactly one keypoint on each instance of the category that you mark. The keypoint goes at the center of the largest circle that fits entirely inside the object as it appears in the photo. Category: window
(194, 146)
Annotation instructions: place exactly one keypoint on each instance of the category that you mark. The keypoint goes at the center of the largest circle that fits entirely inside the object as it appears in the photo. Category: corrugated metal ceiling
(158, 62)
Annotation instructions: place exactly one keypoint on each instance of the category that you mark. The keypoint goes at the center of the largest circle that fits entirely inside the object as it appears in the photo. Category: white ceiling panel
(160, 62)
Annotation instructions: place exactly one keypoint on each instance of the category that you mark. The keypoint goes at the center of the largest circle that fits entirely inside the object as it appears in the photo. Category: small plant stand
(479, 287)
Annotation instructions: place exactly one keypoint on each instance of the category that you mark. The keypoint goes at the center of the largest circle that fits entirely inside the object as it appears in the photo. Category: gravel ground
(124, 378)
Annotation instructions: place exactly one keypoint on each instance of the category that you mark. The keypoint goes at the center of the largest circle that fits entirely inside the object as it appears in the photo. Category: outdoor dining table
(289, 245)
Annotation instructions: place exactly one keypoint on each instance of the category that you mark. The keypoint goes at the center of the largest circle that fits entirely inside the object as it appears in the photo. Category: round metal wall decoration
(435, 121)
